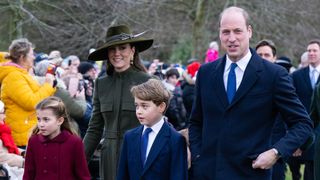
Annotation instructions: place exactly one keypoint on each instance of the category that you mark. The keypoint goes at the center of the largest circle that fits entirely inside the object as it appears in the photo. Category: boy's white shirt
(153, 134)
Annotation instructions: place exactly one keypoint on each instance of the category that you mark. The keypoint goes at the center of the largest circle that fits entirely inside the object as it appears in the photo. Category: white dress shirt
(153, 134)
(316, 73)
(239, 70)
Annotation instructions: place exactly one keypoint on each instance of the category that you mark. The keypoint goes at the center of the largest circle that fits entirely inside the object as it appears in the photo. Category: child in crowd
(213, 52)
(176, 111)
(54, 150)
(153, 150)
(10, 155)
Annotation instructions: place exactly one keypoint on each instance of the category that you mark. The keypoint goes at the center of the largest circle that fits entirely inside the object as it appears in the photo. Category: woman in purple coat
(54, 151)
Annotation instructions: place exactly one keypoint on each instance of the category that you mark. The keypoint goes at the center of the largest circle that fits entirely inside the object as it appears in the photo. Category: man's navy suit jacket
(167, 158)
(302, 83)
(225, 138)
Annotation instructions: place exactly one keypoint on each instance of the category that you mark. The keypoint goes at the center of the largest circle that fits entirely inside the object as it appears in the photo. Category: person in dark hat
(284, 62)
(86, 67)
(40, 57)
(89, 74)
(113, 104)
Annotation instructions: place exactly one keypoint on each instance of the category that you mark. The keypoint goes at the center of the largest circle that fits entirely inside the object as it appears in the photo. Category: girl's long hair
(59, 110)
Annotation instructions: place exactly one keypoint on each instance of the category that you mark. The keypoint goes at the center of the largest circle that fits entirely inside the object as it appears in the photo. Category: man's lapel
(160, 141)
(250, 76)
(307, 79)
(217, 80)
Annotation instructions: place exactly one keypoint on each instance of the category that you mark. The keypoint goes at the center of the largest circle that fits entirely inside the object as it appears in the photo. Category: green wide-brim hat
(120, 35)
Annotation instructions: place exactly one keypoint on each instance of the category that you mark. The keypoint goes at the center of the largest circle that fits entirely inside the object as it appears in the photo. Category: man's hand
(265, 160)
(297, 153)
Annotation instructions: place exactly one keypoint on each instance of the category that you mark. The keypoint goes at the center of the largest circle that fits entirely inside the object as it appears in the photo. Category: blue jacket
(167, 158)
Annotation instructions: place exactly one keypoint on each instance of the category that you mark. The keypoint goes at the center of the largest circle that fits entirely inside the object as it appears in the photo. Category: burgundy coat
(59, 158)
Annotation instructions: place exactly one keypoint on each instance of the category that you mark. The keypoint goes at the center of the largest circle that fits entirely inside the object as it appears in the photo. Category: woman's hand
(50, 79)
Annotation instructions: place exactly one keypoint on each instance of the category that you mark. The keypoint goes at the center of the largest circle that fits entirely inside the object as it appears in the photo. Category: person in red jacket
(54, 150)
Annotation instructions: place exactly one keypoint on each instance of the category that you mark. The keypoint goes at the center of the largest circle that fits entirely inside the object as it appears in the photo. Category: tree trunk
(197, 28)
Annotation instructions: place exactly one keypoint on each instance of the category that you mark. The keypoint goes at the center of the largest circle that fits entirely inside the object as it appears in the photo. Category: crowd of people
(244, 115)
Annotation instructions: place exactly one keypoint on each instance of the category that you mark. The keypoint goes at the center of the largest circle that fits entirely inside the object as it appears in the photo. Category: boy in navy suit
(153, 150)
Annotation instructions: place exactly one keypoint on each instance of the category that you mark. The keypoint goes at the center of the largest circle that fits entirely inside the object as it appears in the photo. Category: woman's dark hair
(172, 72)
(137, 64)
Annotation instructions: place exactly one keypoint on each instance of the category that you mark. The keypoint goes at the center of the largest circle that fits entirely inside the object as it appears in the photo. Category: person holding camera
(72, 78)
(76, 106)
(20, 92)
(89, 74)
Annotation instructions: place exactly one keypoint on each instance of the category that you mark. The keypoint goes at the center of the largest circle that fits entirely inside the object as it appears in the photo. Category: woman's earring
(131, 60)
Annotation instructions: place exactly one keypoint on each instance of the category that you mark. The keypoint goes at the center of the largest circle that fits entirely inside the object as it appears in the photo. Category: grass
(289, 175)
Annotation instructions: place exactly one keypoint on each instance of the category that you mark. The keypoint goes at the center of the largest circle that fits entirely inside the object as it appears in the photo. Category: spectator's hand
(80, 94)
(184, 74)
(2, 117)
(297, 153)
(187, 77)
(49, 78)
(11, 159)
(265, 160)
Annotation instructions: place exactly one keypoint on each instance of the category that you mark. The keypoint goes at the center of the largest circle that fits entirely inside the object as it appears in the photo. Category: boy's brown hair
(152, 90)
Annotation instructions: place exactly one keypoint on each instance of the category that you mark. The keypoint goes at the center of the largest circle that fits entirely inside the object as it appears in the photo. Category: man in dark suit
(315, 115)
(267, 50)
(237, 99)
(304, 80)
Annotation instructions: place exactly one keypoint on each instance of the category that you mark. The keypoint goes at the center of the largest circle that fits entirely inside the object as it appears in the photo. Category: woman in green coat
(113, 104)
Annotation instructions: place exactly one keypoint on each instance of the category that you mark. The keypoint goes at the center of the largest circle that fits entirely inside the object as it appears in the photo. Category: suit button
(45, 171)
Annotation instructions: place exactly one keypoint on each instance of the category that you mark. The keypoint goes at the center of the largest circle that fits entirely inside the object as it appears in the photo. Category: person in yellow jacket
(20, 92)
(2, 57)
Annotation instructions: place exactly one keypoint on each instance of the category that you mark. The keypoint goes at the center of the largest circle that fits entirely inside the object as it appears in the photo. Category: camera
(159, 68)
(51, 69)
(81, 85)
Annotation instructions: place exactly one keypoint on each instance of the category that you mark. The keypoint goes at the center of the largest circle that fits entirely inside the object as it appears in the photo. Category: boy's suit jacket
(167, 158)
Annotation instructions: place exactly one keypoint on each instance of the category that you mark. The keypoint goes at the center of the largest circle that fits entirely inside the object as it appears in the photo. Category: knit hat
(40, 57)
(84, 67)
(193, 68)
(55, 58)
(284, 62)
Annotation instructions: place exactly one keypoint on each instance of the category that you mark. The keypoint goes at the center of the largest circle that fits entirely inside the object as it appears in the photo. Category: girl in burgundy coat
(54, 150)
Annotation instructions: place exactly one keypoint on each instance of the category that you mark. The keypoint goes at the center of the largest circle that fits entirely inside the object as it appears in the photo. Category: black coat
(225, 137)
